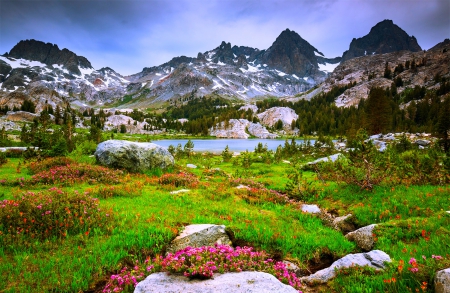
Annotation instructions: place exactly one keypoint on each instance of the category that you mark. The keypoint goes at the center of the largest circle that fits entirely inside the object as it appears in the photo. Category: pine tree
(189, 148)
(378, 110)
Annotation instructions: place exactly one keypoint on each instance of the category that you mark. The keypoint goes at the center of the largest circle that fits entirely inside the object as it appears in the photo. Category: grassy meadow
(67, 224)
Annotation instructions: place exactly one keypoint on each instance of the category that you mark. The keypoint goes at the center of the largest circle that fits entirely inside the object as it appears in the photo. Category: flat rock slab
(192, 166)
(249, 282)
(374, 259)
(133, 156)
(199, 235)
(442, 281)
(363, 237)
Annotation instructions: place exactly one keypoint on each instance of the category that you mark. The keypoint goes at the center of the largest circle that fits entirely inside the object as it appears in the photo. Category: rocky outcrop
(238, 128)
(374, 259)
(254, 108)
(442, 281)
(133, 156)
(271, 116)
(199, 235)
(222, 283)
(363, 237)
(21, 116)
(384, 37)
(260, 131)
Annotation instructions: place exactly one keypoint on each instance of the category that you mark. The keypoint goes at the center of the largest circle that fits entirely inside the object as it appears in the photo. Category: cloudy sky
(128, 35)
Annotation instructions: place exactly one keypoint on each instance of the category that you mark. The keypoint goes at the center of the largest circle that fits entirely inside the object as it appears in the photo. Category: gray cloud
(128, 35)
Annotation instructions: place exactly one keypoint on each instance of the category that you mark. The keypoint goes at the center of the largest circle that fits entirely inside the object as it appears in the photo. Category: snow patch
(217, 85)
(328, 67)
(280, 73)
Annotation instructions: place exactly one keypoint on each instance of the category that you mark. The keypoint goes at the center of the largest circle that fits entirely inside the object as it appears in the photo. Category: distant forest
(414, 110)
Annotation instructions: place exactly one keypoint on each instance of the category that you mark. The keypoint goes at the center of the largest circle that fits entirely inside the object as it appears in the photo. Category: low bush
(77, 173)
(181, 179)
(132, 189)
(35, 167)
(52, 213)
(202, 263)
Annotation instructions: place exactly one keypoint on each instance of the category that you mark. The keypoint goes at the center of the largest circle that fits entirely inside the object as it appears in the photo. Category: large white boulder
(199, 235)
(374, 259)
(133, 156)
(221, 283)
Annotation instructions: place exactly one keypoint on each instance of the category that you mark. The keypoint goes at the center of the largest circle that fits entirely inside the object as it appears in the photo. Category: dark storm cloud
(128, 35)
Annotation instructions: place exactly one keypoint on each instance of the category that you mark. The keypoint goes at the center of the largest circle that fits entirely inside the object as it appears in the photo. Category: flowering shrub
(47, 214)
(77, 173)
(126, 190)
(180, 179)
(419, 270)
(39, 166)
(203, 262)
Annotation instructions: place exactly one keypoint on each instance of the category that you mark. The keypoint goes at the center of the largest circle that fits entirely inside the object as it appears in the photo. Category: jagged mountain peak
(49, 54)
(291, 54)
(384, 37)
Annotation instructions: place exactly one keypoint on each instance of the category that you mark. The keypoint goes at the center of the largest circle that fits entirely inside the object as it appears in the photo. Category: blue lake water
(218, 145)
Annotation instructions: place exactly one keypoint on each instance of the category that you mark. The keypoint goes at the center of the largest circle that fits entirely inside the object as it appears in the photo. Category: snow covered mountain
(291, 65)
(32, 65)
(288, 67)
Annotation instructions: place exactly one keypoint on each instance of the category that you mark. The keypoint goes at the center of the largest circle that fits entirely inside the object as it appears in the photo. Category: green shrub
(3, 159)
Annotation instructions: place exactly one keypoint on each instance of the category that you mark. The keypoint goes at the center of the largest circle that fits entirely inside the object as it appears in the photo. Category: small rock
(179, 191)
(363, 237)
(374, 259)
(192, 166)
(344, 224)
(199, 235)
(380, 145)
(240, 186)
(310, 208)
(422, 142)
(442, 281)
(291, 267)
(221, 283)
(286, 162)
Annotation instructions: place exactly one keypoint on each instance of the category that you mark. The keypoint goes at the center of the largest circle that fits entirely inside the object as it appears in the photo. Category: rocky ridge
(368, 71)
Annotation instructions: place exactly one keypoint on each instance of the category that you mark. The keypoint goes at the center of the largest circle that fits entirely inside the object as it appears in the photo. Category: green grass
(145, 224)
